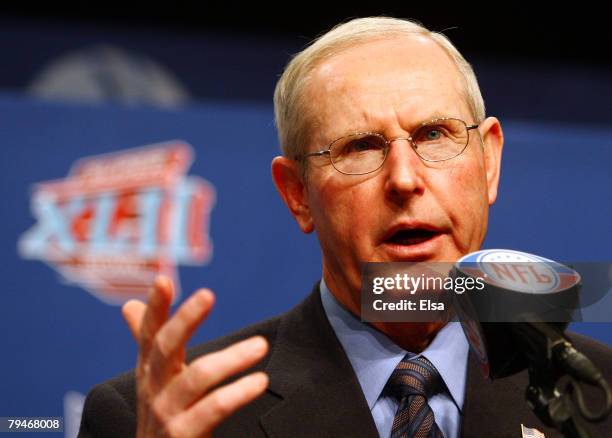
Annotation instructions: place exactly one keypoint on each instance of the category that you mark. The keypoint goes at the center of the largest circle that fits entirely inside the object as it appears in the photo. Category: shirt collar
(374, 356)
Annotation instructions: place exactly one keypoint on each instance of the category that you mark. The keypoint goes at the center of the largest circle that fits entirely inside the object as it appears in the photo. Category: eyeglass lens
(365, 152)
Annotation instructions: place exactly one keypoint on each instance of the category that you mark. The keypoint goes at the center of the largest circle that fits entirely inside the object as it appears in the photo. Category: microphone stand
(551, 357)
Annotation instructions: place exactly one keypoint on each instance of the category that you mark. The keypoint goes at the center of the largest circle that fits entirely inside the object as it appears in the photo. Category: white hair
(289, 108)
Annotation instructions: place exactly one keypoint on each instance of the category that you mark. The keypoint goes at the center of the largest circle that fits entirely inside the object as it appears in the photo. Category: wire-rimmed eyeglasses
(360, 153)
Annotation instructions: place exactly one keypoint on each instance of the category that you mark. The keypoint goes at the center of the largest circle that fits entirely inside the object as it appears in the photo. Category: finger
(156, 313)
(133, 311)
(209, 371)
(209, 412)
(167, 352)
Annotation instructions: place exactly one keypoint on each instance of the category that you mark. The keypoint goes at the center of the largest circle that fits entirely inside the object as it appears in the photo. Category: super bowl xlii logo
(117, 220)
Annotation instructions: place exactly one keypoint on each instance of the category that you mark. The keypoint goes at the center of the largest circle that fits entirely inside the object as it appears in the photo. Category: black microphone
(518, 321)
(518, 288)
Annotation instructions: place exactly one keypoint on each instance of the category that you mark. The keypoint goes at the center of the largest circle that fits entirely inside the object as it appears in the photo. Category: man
(355, 112)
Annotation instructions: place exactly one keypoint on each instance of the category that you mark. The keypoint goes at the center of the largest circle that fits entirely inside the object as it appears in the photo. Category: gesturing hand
(176, 399)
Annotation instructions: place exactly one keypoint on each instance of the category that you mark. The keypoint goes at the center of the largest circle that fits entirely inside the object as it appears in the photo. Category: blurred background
(181, 98)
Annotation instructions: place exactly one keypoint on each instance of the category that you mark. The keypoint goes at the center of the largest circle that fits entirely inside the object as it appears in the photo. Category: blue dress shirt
(374, 357)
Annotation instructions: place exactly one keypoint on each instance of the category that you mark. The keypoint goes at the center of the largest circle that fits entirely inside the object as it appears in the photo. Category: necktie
(412, 383)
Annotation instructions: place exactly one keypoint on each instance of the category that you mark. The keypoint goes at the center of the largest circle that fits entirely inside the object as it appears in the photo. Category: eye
(364, 144)
(431, 133)
(360, 146)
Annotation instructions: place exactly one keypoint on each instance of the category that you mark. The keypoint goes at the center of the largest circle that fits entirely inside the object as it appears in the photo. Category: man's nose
(403, 169)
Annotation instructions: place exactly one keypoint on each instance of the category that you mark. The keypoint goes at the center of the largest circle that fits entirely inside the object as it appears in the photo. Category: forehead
(399, 81)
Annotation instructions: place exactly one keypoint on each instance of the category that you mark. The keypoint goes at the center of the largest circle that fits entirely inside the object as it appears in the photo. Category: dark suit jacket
(314, 391)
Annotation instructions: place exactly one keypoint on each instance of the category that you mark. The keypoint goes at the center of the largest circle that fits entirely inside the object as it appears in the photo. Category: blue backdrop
(58, 340)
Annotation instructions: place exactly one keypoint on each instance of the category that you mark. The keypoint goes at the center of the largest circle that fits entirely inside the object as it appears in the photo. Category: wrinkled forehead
(410, 78)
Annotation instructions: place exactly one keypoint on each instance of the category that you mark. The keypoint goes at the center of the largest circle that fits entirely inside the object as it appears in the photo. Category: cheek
(344, 213)
(466, 203)
(362, 211)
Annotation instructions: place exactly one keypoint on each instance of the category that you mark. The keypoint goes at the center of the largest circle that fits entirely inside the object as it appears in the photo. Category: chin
(411, 336)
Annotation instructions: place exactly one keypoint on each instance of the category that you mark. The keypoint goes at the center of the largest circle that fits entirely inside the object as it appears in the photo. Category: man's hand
(176, 399)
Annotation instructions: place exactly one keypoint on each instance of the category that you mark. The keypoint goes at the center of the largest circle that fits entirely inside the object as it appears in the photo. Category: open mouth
(411, 236)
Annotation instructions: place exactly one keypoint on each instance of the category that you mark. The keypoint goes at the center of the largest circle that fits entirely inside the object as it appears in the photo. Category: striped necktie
(412, 383)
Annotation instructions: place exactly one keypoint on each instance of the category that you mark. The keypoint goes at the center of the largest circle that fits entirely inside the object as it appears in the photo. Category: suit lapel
(309, 370)
(497, 408)
(320, 394)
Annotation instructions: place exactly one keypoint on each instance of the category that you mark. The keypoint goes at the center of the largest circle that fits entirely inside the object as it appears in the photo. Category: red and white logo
(119, 219)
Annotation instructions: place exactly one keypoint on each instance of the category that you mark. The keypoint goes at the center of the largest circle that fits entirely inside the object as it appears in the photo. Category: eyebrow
(433, 116)
(437, 115)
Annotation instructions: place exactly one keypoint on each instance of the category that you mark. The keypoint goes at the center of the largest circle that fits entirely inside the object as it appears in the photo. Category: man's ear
(493, 140)
(288, 179)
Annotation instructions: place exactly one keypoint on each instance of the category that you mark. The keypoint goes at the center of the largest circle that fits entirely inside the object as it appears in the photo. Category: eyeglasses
(360, 153)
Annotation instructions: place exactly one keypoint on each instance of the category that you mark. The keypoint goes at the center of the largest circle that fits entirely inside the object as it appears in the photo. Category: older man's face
(409, 210)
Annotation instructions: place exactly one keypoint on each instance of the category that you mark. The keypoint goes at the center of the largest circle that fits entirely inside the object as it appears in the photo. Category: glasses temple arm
(316, 154)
